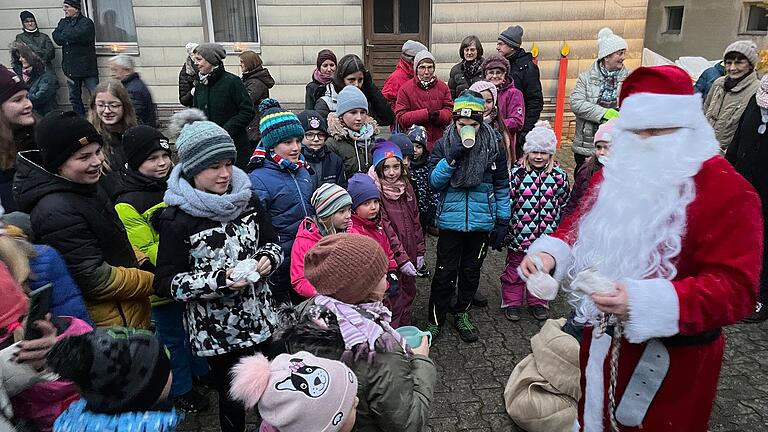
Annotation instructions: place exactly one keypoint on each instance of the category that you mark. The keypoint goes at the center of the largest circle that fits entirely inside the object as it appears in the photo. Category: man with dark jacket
(38, 41)
(76, 35)
(122, 68)
(525, 75)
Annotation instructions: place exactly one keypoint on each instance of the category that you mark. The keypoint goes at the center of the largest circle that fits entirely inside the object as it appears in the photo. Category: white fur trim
(594, 394)
(654, 309)
(576, 426)
(559, 250)
(657, 111)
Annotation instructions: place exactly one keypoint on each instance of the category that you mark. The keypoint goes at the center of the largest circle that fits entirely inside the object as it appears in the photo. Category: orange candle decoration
(535, 53)
(562, 76)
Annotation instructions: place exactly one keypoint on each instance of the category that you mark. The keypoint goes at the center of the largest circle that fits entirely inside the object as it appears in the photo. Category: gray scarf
(221, 208)
(476, 160)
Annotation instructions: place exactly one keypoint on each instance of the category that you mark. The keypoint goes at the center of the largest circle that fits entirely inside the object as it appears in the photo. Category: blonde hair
(129, 120)
(550, 164)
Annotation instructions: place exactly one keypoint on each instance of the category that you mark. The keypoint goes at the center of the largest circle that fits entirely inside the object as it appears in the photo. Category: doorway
(387, 24)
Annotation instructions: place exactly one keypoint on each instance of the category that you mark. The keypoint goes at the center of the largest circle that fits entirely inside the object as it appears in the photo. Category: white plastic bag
(591, 281)
(246, 269)
(540, 284)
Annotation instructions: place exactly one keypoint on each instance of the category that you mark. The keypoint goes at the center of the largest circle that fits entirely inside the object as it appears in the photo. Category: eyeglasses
(314, 135)
(495, 72)
(114, 106)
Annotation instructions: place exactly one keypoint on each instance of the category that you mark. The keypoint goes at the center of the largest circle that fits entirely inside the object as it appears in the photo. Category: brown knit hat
(346, 267)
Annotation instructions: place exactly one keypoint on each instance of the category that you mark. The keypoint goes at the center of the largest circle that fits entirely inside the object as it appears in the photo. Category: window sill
(234, 48)
(112, 49)
(753, 33)
(672, 32)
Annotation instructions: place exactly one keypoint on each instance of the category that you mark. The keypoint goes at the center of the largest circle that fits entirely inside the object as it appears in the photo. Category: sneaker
(760, 314)
(434, 329)
(512, 313)
(423, 272)
(192, 402)
(467, 331)
(479, 300)
(539, 312)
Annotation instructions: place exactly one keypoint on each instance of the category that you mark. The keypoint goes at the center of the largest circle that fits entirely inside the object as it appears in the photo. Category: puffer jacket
(588, 113)
(77, 38)
(525, 74)
(77, 418)
(402, 74)
(426, 197)
(257, 83)
(400, 219)
(704, 83)
(375, 230)
(723, 108)
(511, 107)
(357, 156)
(414, 103)
(748, 153)
(395, 393)
(187, 82)
(41, 44)
(42, 88)
(141, 97)
(48, 266)
(306, 239)
(327, 166)
(460, 81)
(473, 209)
(192, 264)
(80, 222)
(378, 107)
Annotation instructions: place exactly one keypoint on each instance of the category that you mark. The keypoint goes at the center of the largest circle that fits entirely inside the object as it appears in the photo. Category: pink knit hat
(296, 392)
(481, 86)
(605, 132)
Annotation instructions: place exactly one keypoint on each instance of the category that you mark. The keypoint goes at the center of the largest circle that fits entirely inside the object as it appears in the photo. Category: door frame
(425, 9)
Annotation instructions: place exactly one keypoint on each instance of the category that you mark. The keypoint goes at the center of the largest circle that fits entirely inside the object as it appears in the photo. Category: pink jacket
(374, 230)
(307, 237)
(511, 107)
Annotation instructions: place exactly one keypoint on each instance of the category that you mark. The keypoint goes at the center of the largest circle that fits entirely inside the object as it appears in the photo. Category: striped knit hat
(469, 104)
(200, 142)
(328, 199)
(277, 124)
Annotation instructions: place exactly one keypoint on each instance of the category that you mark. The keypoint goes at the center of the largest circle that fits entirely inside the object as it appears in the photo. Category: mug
(413, 335)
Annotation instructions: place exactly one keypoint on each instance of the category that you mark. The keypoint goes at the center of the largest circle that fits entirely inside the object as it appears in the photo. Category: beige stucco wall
(708, 27)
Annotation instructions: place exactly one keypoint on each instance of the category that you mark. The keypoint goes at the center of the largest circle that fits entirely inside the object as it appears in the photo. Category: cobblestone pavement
(471, 377)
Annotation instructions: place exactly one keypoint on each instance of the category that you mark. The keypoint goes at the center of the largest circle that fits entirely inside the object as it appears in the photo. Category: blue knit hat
(418, 134)
(200, 142)
(362, 188)
(277, 124)
(403, 142)
(384, 150)
(328, 199)
(350, 97)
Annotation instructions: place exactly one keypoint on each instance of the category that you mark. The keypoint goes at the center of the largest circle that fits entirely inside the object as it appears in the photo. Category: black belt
(703, 338)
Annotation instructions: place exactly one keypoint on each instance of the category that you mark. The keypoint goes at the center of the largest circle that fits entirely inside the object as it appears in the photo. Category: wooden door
(387, 24)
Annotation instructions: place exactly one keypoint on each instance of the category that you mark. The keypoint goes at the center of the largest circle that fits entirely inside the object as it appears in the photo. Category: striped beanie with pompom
(200, 142)
(328, 199)
(277, 124)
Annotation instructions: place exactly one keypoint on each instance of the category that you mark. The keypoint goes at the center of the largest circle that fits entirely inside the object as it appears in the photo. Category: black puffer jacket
(187, 81)
(313, 91)
(526, 76)
(327, 166)
(257, 83)
(141, 192)
(748, 152)
(141, 98)
(461, 80)
(77, 38)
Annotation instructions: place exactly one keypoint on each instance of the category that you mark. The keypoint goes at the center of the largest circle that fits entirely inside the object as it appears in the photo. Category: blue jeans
(169, 325)
(75, 91)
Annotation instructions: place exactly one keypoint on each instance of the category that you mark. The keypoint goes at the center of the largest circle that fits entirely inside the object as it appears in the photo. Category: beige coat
(724, 109)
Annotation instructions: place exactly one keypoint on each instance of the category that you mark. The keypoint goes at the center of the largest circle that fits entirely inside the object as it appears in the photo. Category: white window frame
(667, 10)
(232, 47)
(745, 20)
(113, 48)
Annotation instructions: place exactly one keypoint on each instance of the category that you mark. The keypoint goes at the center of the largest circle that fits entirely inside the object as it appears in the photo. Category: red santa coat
(716, 285)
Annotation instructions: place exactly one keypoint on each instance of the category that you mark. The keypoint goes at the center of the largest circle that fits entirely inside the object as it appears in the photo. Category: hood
(308, 231)
(77, 417)
(133, 181)
(32, 182)
(262, 75)
(405, 67)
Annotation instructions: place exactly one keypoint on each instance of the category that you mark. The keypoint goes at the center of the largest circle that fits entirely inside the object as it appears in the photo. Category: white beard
(635, 228)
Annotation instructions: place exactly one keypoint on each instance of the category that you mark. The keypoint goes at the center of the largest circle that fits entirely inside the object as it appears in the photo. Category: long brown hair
(7, 144)
(116, 89)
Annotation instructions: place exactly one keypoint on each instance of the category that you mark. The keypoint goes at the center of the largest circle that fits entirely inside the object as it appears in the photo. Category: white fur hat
(608, 43)
(541, 139)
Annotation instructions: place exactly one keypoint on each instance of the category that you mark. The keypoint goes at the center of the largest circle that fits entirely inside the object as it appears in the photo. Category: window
(233, 23)
(407, 13)
(115, 26)
(756, 18)
(674, 19)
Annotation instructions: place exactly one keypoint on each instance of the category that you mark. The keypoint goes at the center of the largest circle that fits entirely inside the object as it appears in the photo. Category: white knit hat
(541, 139)
(747, 48)
(608, 43)
(421, 56)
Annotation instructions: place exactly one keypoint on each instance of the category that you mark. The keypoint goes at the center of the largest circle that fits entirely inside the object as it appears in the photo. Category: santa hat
(660, 97)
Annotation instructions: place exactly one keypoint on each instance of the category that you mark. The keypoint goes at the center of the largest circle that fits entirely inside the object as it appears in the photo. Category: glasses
(314, 135)
(495, 72)
(114, 106)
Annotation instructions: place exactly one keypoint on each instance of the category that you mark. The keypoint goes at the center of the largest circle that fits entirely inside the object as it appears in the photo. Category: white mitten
(591, 281)
(540, 284)
(246, 269)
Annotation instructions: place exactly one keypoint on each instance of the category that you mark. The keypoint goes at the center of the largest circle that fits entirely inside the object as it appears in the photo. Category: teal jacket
(77, 418)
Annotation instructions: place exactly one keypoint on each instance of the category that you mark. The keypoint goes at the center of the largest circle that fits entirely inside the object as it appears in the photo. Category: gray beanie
(420, 57)
(350, 98)
(512, 36)
(200, 142)
(411, 48)
(747, 48)
(213, 53)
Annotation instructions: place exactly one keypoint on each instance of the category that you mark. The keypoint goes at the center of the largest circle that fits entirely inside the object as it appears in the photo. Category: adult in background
(222, 97)
(16, 131)
(425, 100)
(525, 74)
(122, 68)
(510, 106)
(76, 36)
(257, 82)
(403, 72)
(41, 82)
(595, 98)
(729, 95)
(468, 71)
(748, 153)
(38, 41)
(188, 76)
(321, 77)
(708, 77)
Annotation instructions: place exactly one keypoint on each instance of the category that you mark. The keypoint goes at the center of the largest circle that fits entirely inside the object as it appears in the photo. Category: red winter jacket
(374, 230)
(414, 105)
(403, 73)
(400, 219)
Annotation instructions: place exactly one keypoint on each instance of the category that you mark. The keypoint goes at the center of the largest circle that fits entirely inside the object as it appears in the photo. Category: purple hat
(362, 188)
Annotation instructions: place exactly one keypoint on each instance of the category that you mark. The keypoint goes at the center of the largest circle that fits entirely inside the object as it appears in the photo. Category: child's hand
(528, 267)
(264, 266)
(422, 349)
(33, 352)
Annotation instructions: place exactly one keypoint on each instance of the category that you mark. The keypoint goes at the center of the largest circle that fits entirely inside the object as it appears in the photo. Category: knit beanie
(324, 55)
(411, 48)
(10, 84)
(61, 134)
(24, 15)
(469, 104)
(423, 56)
(605, 131)
(117, 369)
(277, 124)
(141, 141)
(762, 92)
(346, 266)
(608, 43)
(350, 97)
(403, 142)
(362, 188)
(312, 120)
(747, 48)
(74, 3)
(418, 134)
(296, 392)
(190, 47)
(13, 302)
(200, 142)
(541, 139)
(213, 53)
(481, 86)
(384, 150)
(495, 61)
(512, 36)
(328, 199)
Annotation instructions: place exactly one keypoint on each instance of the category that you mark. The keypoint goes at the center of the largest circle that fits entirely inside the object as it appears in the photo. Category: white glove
(540, 284)
(408, 269)
(420, 262)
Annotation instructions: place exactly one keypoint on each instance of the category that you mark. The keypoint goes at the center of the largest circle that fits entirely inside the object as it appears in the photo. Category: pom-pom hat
(608, 43)
(200, 142)
(541, 139)
(277, 124)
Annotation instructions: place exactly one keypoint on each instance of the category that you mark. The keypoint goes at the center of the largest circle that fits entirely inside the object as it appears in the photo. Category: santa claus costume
(674, 223)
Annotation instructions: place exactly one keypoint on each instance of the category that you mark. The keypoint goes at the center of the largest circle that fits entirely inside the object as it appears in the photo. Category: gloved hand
(433, 116)
(393, 283)
(610, 114)
(420, 262)
(498, 235)
(408, 269)
(455, 153)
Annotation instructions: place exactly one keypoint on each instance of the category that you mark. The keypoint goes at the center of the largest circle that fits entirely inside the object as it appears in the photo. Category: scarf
(762, 93)
(221, 208)
(30, 31)
(426, 85)
(205, 77)
(477, 160)
(392, 190)
(288, 165)
(731, 83)
(322, 79)
(608, 87)
(362, 139)
(471, 68)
